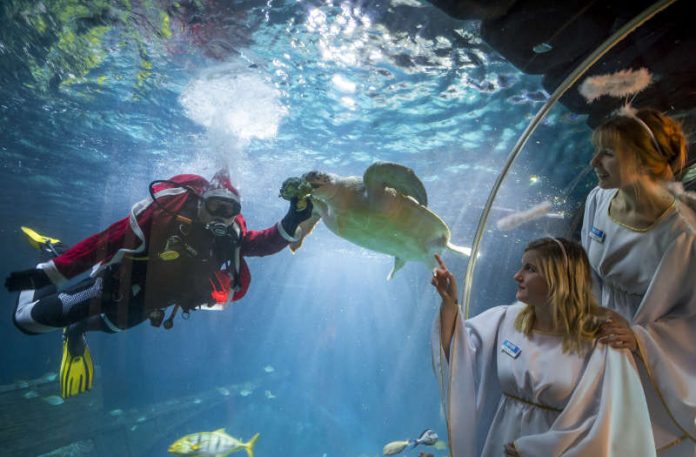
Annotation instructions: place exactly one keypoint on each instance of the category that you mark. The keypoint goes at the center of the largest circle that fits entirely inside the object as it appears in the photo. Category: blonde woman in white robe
(641, 241)
(530, 379)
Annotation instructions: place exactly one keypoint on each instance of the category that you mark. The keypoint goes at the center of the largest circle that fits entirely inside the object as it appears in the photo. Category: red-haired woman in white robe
(640, 236)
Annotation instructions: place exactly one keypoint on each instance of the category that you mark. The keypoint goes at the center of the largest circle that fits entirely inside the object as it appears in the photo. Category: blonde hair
(574, 309)
(656, 139)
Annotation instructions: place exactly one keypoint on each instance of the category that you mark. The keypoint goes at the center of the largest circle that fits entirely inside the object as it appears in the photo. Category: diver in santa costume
(184, 246)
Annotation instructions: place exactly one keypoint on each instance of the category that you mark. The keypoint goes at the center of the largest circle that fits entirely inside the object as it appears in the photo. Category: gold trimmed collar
(659, 219)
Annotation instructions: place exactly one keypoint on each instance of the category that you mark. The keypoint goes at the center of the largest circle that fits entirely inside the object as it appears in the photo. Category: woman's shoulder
(678, 227)
(498, 313)
(597, 203)
(515, 308)
(598, 195)
(487, 324)
(494, 312)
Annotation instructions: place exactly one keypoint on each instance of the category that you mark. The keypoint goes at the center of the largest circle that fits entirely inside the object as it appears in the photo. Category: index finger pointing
(440, 262)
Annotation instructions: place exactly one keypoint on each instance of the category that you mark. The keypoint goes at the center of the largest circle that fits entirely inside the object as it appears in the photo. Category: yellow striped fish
(211, 444)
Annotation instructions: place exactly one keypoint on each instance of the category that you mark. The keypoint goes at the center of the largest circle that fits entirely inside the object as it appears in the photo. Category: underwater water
(323, 357)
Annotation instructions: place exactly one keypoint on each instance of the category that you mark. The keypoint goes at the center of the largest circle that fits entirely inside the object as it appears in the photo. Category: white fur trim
(619, 84)
(222, 193)
(52, 272)
(285, 234)
(514, 220)
(135, 211)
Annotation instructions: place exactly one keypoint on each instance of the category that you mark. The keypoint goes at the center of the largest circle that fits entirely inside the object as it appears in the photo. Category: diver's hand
(296, 214)
(26, 280)
(302, 209)
(445, 283)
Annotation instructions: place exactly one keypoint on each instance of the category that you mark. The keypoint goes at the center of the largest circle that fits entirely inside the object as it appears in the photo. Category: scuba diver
(183, 246)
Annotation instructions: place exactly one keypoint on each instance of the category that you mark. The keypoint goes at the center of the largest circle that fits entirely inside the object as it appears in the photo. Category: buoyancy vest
(189, 266)
(184, 263)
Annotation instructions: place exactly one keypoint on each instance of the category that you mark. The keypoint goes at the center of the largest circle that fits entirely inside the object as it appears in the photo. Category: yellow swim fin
(36, 239)
(76, 371)
(43, 243)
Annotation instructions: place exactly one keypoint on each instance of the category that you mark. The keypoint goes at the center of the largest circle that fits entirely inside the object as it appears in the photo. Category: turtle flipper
(396, 176)
(461, 250)
(398, 264)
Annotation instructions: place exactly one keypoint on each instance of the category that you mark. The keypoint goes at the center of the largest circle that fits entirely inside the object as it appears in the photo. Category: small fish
(49, 377)
(53, 400)
(211, 444)
(542, 48)
(396, 446)
(223, 391)
(428, 437)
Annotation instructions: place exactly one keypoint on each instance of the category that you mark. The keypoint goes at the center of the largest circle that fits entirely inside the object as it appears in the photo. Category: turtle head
(322, 184)
(317, 179)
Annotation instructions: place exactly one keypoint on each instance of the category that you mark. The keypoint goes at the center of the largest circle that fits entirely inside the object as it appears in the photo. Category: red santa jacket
(131, 235)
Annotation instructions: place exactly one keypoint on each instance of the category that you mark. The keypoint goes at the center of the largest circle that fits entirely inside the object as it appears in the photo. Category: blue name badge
(597, 235)
(510, 349)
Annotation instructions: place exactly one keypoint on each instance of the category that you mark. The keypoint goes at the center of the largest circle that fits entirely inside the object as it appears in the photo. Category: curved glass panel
(543, 193)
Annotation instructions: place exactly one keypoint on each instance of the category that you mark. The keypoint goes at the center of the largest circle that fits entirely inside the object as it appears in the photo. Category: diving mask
(221, 202)
(222, 207)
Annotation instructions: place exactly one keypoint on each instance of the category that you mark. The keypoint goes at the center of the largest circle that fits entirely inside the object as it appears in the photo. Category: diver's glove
(33, 278)
(296, 214)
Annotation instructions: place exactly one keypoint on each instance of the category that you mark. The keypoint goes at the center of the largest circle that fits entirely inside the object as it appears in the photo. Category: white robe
(547, 402)
(649, 278)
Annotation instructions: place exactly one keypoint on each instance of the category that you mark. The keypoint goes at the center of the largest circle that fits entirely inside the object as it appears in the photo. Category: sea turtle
(384, 211)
